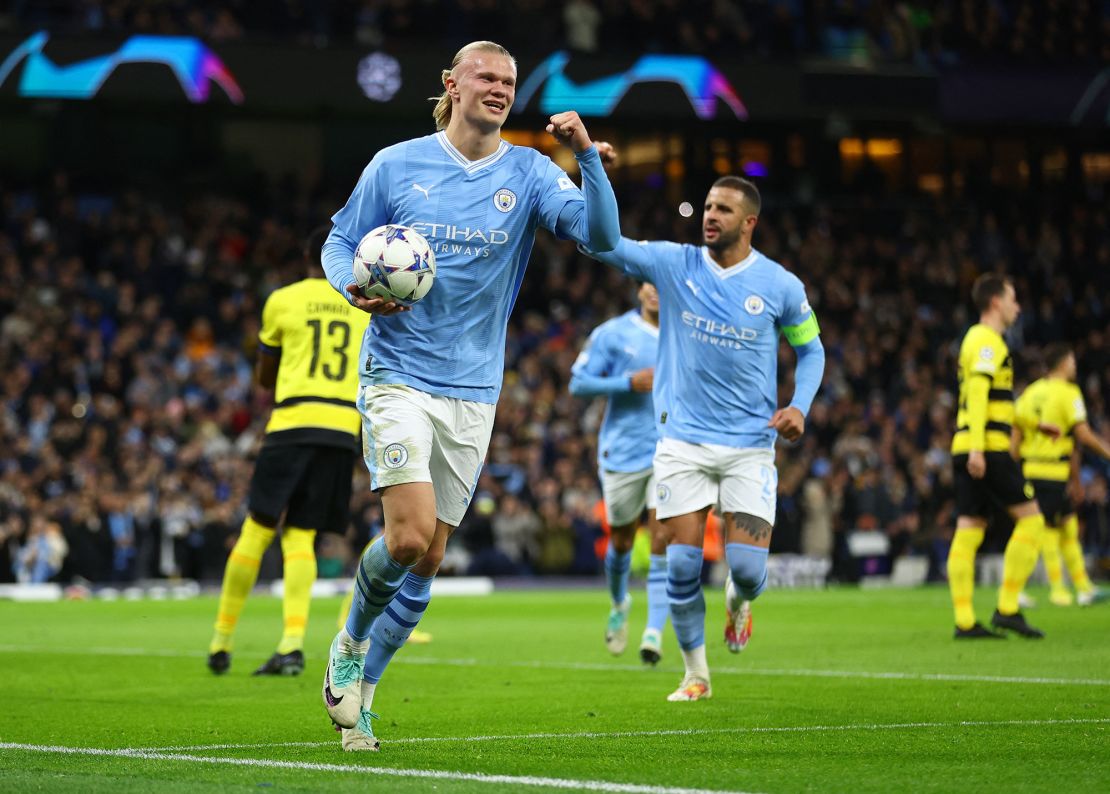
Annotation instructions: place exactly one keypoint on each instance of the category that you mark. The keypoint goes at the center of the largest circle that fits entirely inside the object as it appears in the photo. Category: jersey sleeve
(556, 190)
(1025, 412)
(1077, 408)
(269, 336)
(798, 322)
(985, 359)
(643, 260)
(365, 210)
(592, 373)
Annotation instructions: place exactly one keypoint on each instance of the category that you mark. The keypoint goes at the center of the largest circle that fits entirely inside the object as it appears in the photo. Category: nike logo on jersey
(423, 190)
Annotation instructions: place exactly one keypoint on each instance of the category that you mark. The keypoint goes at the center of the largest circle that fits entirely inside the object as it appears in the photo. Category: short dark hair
(748, 188)
(1055, 354)
(314, 242)
(986, 288)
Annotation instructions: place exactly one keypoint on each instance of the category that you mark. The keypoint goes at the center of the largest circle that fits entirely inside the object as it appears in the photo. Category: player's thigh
(461, 432)
(749, 494)
(396, 434)
(323, 496)
(1053, 499)
(277, 474)
(686, 485)
(660, 535)
(1007, 487)
(626, 494)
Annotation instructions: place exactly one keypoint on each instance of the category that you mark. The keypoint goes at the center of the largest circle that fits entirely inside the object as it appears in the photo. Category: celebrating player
(1050, 462)
(431, 375)
(722, 308)
(618, 362)
(308, 352)
(985, 472)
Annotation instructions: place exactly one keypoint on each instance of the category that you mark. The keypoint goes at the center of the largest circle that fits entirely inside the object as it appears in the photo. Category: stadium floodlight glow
(703, 83)
(194, 65)
(379, 76)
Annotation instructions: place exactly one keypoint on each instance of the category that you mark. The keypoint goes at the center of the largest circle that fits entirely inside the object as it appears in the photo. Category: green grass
(132, 675)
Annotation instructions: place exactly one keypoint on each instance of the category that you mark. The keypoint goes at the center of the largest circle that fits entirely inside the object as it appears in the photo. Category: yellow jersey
(318, 336)
(986, 410)
(1051, 401)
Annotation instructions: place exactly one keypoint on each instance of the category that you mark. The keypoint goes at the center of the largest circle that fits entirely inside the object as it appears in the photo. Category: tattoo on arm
(753, 525)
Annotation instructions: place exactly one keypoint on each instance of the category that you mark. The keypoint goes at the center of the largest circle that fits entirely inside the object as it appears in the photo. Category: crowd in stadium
(128, 421)
(860, 31)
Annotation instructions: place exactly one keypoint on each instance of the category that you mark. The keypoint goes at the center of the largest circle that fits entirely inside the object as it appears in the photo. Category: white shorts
(626, 494)
(411, 436)
(692, 476)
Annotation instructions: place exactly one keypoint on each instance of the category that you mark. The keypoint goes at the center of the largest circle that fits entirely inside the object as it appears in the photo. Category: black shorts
(310, 483)
(1055, 503)
(1002, 486)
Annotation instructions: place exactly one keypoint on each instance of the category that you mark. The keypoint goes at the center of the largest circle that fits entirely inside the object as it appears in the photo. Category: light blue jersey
(716, 378)
(616, 349)
(480, 218)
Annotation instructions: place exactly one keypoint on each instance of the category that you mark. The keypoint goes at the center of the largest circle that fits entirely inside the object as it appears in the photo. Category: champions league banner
(254, 79)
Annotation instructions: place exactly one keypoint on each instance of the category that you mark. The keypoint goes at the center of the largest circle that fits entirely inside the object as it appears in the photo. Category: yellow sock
(299, 561)
(1050, 551)
(1019, 561)
(1073, 555)
(961, 574)
(239, 577)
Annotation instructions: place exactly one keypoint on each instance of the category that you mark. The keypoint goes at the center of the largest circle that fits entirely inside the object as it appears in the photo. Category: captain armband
(802, 333)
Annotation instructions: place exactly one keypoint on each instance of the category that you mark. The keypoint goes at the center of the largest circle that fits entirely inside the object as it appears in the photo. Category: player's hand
(789, 423)
(1052, 431)
(1075, 491)
(568, 129)
(377, 306)
(976, 464)
(608, 154)
(643, 380)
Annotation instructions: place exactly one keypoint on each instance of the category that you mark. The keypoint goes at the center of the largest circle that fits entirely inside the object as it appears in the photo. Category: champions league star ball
(394, 263)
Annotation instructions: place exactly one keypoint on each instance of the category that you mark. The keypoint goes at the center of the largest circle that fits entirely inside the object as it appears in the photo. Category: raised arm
(589, 377)
(595, 223)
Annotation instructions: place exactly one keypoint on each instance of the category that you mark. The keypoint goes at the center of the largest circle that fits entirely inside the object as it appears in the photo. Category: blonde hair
(442, 111)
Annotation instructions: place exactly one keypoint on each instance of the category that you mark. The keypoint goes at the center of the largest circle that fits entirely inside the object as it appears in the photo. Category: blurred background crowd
(857, 31)
(129, 321)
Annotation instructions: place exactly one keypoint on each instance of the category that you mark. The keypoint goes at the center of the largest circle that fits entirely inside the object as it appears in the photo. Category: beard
(724, 240)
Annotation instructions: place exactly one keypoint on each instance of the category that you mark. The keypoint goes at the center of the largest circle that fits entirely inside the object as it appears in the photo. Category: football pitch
(840, 691)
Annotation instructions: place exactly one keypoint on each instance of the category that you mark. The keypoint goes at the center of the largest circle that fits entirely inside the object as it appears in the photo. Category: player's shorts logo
(753, 305)
(396, 456)
(662, 493)
(504, 199)
(1028, 491)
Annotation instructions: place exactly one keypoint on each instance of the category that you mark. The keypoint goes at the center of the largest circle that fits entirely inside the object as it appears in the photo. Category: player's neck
(473, 143)
(992, 321)
(651, 318)
(733, 255)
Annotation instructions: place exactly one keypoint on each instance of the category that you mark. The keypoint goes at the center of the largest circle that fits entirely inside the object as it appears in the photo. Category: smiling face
(726, 218)
(482, 88)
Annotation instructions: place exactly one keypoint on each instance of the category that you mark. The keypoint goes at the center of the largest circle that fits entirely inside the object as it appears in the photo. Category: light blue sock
(378, 578)
(617, 565)
(657, 606)
(749, 568)
(685, 595)
(392, 628)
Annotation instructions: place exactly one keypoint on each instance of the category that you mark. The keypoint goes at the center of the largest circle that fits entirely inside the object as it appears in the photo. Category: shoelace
(346, 670)
(364, 724)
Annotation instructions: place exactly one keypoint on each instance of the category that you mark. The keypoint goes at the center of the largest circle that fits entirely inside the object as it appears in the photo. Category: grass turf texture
(793, 713)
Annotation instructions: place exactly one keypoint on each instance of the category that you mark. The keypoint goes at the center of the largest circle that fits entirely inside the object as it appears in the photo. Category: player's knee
(748, 565)
(407, 545)
(298, 541)
(622, 538)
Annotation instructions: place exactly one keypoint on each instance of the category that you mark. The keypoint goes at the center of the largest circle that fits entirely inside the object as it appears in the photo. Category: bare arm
(1092, 440)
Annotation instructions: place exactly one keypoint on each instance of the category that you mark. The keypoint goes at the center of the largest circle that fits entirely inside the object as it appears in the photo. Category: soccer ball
(394, 263)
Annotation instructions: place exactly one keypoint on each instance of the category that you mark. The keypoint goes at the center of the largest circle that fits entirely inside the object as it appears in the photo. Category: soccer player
(985, 473)
(618, 362)
(723, 306)
(1050, 462)
(308, 353)
(431, 373)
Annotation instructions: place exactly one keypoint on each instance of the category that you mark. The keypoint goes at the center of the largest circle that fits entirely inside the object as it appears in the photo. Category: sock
(345, 607)
(657, 606)
(696, 663)
(617, 565)
(1073, 555)
(368, 695)
(1050, 551)
(961, 574)
(392, 628)
(685, 595)
(1019, 561)
(299, 562)
(377, 580)
(239, 578)
(748, 565)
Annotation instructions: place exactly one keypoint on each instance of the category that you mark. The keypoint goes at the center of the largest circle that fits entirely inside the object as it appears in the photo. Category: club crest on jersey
(754, 305)
(396, 456)
(662, 493)
(504, 199)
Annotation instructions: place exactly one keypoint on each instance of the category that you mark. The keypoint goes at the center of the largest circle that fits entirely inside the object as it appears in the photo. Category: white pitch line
(604, 667)
(433, 774)
(880, 726)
